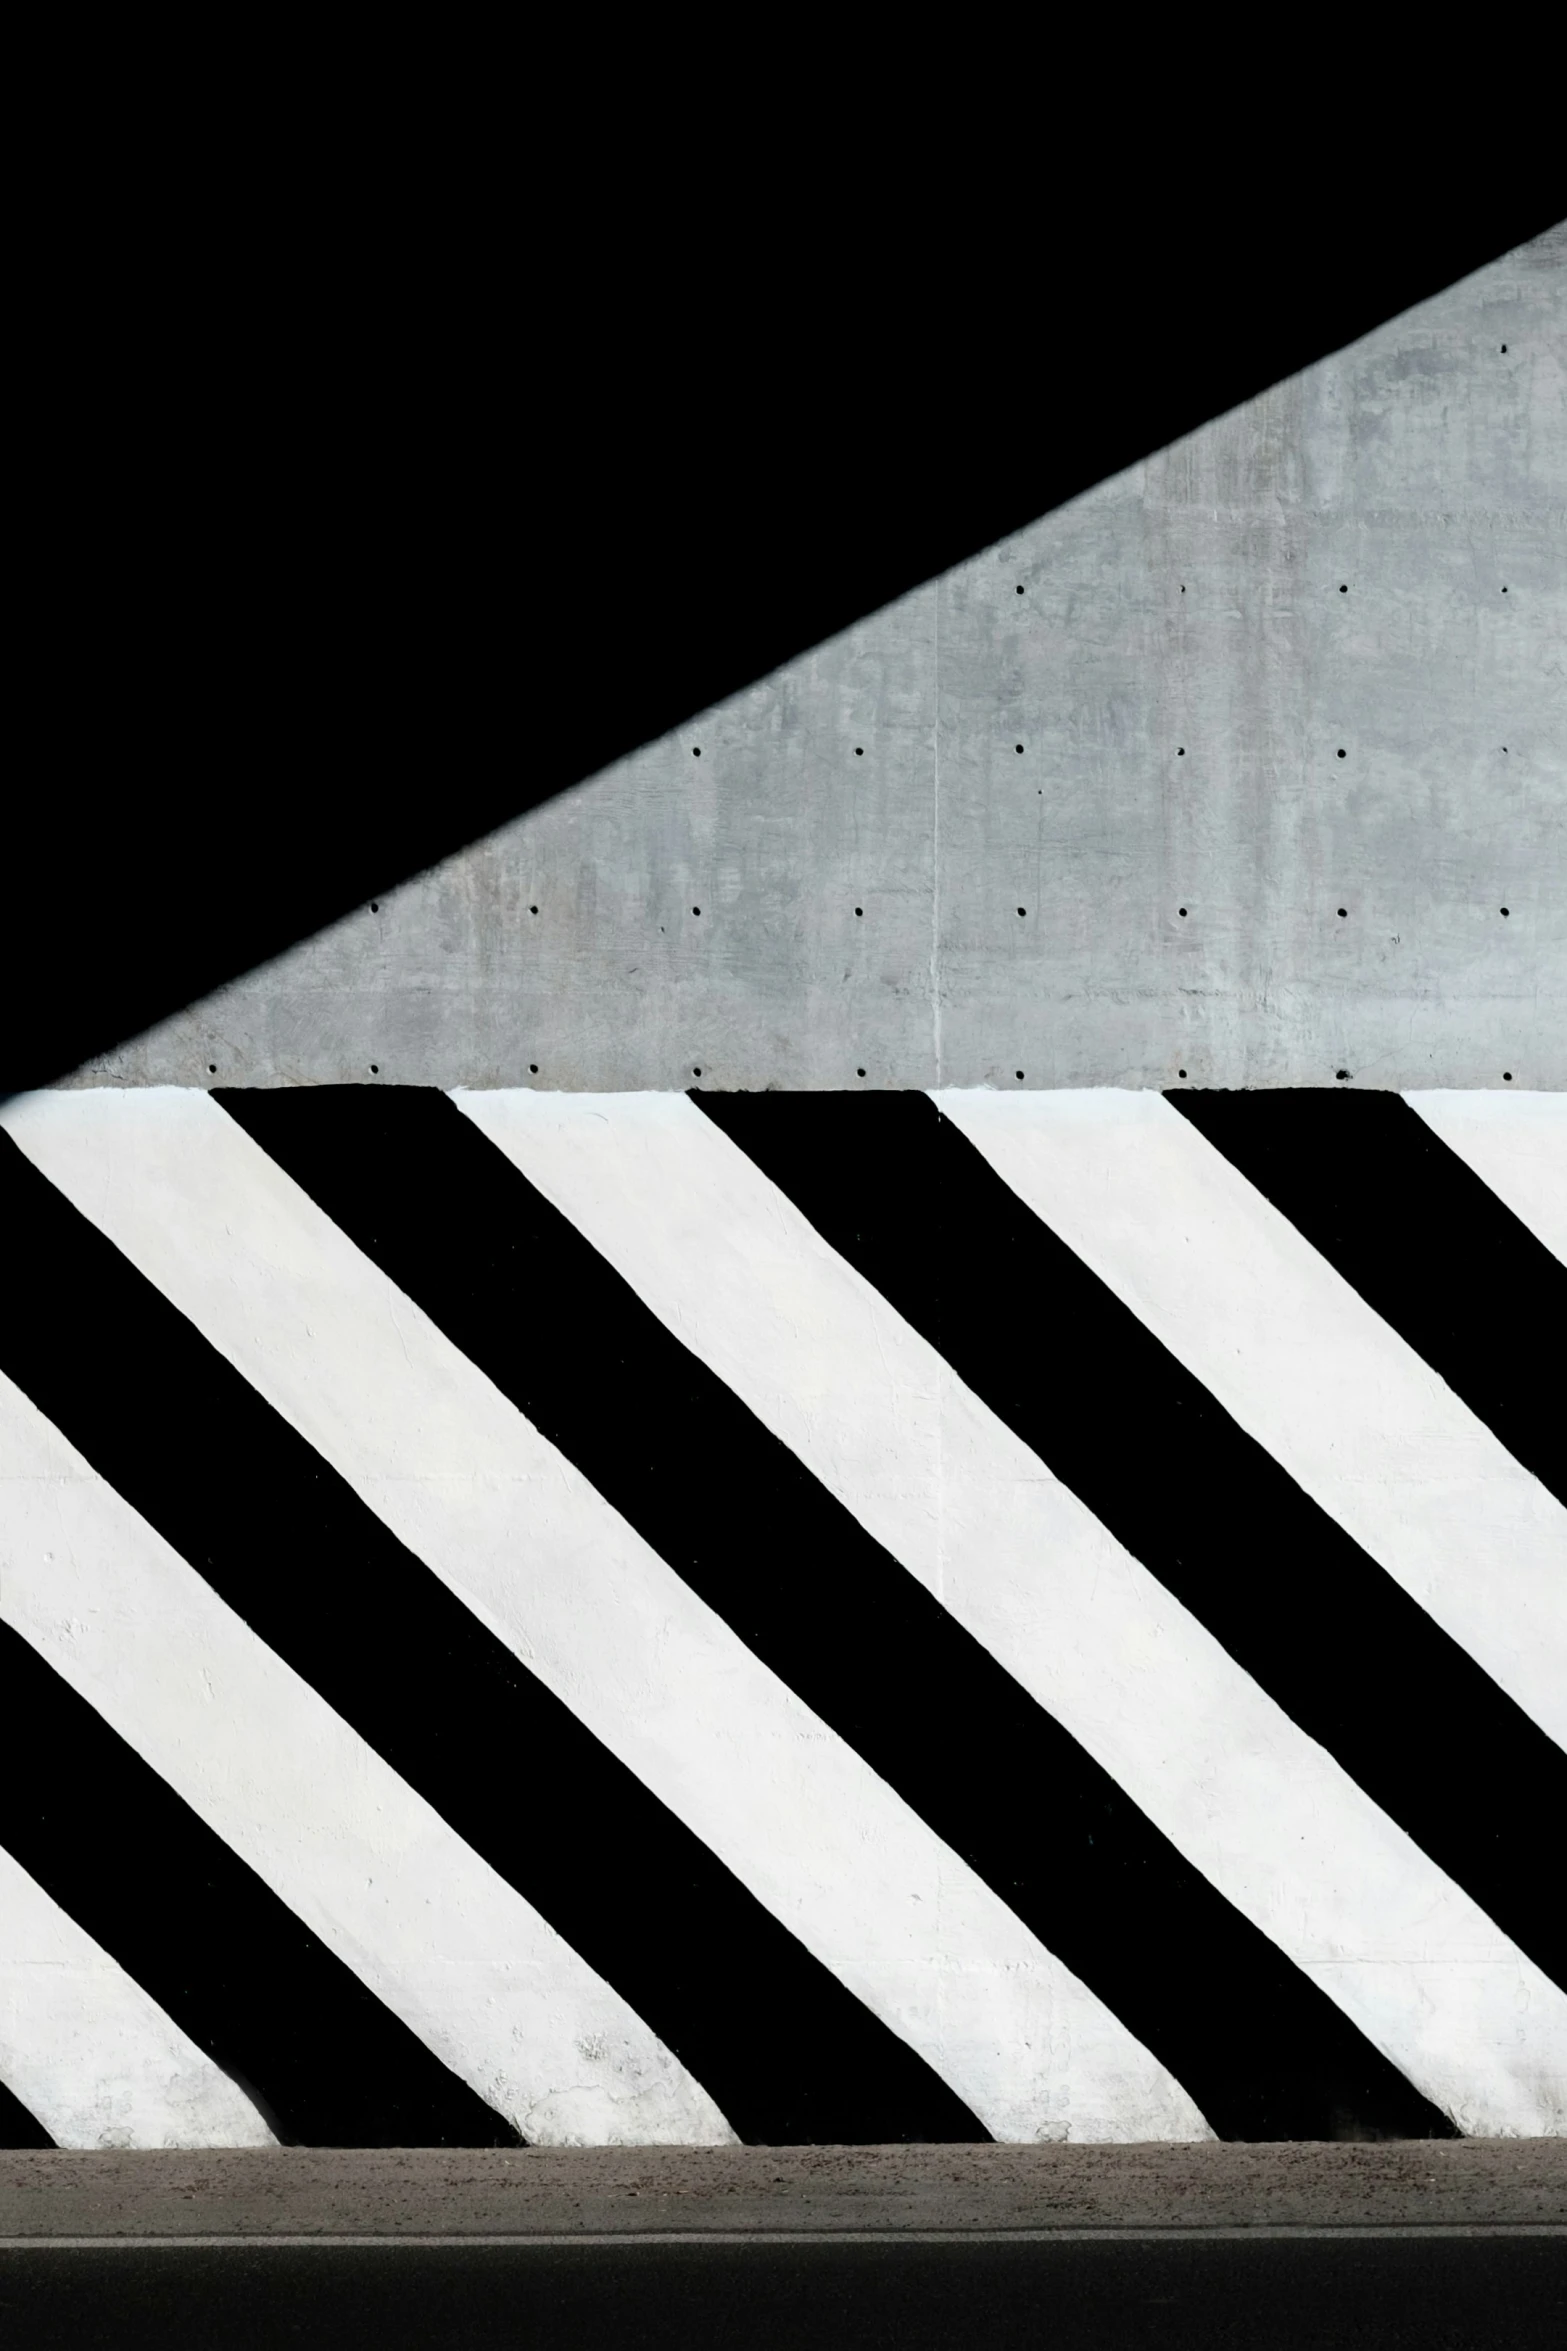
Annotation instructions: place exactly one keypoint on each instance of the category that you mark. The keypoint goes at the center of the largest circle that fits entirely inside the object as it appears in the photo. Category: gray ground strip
(678, 2195)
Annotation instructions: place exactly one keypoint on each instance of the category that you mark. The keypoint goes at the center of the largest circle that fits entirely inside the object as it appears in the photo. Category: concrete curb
(302, 2193)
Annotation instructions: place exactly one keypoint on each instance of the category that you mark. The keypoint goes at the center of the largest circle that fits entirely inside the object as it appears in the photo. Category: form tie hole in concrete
(375, 1069)
(533, 1069)
(1343, 754)
(696, 909)
(1343, 587)
(1183, 589)
(1181, 751)
(1343, 913)
(1341, 1073)
(1504, 910)
(212, 1069)
(695, 1070)
(1020, 1073)
(1181, 911)
(1020, 587)
(859, 1073)
(1022, 910)
(375, 905)
(696, 750)
(1018, 748)
(1180, 1073)
(1504, 591)
(859, 910)
(1504, 346)
(1507, 1077)
(859, 750)
(533, 910)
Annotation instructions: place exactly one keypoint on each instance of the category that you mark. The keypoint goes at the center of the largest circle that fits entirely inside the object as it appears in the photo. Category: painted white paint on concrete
(1300, 1360)
(1517, 1144)
(522, 1538)
(375, 1872)
(88, 2052)
(740, 1276)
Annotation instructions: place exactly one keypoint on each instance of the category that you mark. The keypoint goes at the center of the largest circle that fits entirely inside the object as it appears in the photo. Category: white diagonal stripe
(733, 1268)
(1305, 1366)
(518, 1533)
(433, 1930)
(1516, 1144)
(89, 2052)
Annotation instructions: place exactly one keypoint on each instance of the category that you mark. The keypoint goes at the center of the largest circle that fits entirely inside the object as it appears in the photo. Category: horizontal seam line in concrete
(555, 2239)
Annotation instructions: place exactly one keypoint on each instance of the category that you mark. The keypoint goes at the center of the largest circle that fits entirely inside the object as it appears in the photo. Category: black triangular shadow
(352, 579)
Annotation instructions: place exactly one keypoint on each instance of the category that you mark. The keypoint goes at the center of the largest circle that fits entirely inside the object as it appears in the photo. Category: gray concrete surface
(1312, 658)
(552, 2192)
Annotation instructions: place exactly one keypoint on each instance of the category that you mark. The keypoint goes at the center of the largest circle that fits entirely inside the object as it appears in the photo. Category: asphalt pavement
(1278, 2293)
(1429, 2244)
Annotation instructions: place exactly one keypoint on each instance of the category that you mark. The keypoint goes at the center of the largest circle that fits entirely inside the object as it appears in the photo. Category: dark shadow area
(1314, 2294)
(375, 516)
(19, 2126)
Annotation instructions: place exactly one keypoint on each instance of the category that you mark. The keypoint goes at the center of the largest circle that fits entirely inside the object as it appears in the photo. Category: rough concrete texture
(1290, 702)
(539, 2191)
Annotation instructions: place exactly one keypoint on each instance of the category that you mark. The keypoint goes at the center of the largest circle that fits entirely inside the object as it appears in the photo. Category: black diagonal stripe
(1425, 1242)
(19, 2127)
(789, 2054)
(325, 2062)
(513, 1283)
(901, 1193)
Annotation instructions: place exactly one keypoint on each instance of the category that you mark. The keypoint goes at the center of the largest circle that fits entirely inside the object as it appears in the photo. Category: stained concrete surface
(1230, 767)
(549, 2192)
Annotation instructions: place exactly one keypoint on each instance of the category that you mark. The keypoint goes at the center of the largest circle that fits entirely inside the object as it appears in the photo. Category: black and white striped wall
(668, 1617)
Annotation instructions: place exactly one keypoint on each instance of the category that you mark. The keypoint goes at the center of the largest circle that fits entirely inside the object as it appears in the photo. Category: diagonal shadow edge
(311, 691)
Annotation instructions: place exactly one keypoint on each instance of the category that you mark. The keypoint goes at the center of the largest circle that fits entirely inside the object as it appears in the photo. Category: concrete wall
(1301, 675)
(696, 1482)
